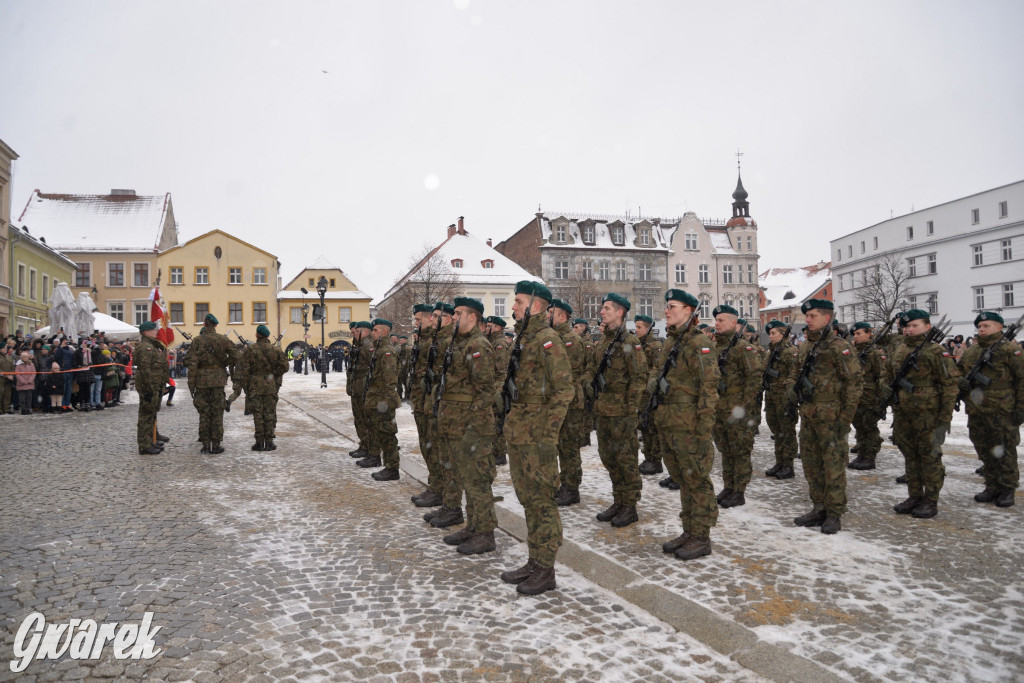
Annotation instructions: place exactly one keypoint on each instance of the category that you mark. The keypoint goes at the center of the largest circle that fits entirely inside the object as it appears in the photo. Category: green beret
(581, 321)
(724, 308)
(682, 296)
(495, 320)
(146, 326)
(750, 328)
(469, 302)
(422, 308)
(402, 336)
(533, 288)
(444, 308)
(352, 325)
(211, 318)
(861, 326)
(741, 322)
(364, 325)
(644, 318)
(703, 326)
(917, 314)
(617, 299)
(773, 324)
(263, 331)
(902, 320)
(381, 321)
(558, 303)
(820, 304)
(989, 315)
(510, 333)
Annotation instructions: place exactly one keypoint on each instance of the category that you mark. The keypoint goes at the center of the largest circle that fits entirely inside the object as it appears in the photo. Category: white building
(962, 257)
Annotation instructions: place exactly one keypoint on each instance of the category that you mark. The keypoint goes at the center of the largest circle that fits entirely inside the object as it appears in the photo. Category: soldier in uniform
(259, 373)
(865, 420)
(617, 404)
(544, 391)
(995, 411)
(569, 463)
(707, 330)
(777, 410)
(426, 327)
(450, 512)
(825, 415)
(404, 355)
(6, 378)
(355, 383)
(151, 375)
(742, 370)
(380, 400)
(208, 361)
(465, 419)
(581, 327)
(494, 328)
(685, 421)
(652, 349)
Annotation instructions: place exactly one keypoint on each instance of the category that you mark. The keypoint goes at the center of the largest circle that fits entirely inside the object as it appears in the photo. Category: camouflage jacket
(1005, 395)
(577, 359)
(785, 359)
(590, 360)
(689, 404)
(382, 389)
(444, 340)
(152, 366)
(871, 373)
(835, 375)
(652, 348)
(358, 364)
(6, 365)
(420, 371)
(501, 348)
(468, 398)
(260, 369)
(934, 381)
(209, 358)
(625, 376)
(544, 380)
(742, 376)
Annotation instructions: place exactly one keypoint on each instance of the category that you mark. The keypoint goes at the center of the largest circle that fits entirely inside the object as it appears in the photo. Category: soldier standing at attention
(404, 356)
(741, 368)
(685, 421)
(581, 327)
(381, 402)
(995, 410)
(865, 420)
(208, 361)
(825, 414)
(621, 377)
(780, 421)
(150, 378)
(569, 463)
(652, 349)
(450, 512)
(465, 419)
(495, 330)
(426, 326)
(355, 383)
(259, 372)
(543, 381)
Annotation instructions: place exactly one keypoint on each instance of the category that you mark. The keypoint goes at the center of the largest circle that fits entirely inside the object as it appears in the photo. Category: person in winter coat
(25, 382)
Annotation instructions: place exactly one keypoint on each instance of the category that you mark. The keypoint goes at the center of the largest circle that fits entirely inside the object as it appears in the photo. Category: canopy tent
(112, 327)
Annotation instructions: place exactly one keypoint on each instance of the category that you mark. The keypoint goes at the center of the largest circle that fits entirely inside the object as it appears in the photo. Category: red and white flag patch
(568, 343)
(705, 349)
(476, 354)
(548, 344)
(639, 348)
(846, 352)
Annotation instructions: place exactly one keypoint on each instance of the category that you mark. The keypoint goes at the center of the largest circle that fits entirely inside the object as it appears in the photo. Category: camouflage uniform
(652, 448)
(500, 348)
(382, 401)
(776, 404)
(259, 373)
(825, 418)
(995, 412)
(569, 463)
(465, 419)
(208, 361)
(422, 408)
(151, 376)
(544, 380)
(734, 414)
(6, 382)
(354, 385)
(588, 422)
(404, 354)
(865, 420)
(442, 450)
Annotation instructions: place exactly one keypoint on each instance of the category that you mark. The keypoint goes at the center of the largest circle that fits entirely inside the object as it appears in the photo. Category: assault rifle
(413, 357)
(443, 382)
(899, 380)
(188, 338)
(663, 385)
(509, 390)
(598, 384)
(723, 358)
(428, 375)
(352, 360)
(369, 372)
(770, 372)
(862, 356)
(974, 377)
(241, 338)
(279, 338)
(804, 388)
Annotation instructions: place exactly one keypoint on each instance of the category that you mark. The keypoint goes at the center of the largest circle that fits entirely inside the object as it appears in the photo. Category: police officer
(569, 463)
(865, 420)
(426, 326)
(208, 361)
(151, 375)
(780, 420)
(652, 349)
(259, 373)
(495, 331)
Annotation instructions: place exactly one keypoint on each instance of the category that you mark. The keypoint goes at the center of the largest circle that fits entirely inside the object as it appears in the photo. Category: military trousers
(498, 445)
(689, 462)
(359, 417)
(534, 469)
(570, 464)
(149, 406)
(823, 456)
(921, 445)
(435, 481)
(867, 435)
(617, 445)
(734, 439)
(995, 440)
(784, 430)
(382, 432)
(264, 415)
(6, 392)
(475, 472)
(652, 445)
(209, 403)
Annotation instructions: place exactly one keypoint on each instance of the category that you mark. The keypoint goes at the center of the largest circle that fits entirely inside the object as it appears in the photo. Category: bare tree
(428, 279)
(582, 293)
(886, 284)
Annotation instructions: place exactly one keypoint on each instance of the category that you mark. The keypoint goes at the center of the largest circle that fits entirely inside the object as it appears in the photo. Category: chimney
(489, 242)
(451, 230)
(123, 193)
(462, 228)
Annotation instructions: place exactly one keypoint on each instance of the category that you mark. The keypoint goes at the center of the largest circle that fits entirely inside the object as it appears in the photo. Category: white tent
(112, 327)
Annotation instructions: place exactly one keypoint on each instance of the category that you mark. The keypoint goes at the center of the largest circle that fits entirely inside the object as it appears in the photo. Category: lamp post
(321, 289)
(305, 331)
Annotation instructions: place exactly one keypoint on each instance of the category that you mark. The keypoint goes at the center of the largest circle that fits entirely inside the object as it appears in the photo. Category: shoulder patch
(568, 343)
(387, 353)
(846, 352)
(639, 348)
(476, 354)
(705, 349)
(945, 354)
(1016, 353)
(548, 344)
(750, 348)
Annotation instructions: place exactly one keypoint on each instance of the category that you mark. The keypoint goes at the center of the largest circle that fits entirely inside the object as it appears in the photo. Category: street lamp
(305, 331)
(321, 289)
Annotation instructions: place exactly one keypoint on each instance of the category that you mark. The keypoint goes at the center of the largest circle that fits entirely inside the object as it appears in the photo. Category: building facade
(343, 301)
(784, 290)
(36, 268)
(958, 258)
(7, 158)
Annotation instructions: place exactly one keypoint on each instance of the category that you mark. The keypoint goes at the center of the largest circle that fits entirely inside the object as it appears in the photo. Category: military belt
(458, 398)
(680, 399)
(531, 399)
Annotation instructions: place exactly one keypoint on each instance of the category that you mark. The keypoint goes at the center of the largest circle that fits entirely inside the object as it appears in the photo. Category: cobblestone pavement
(292, 564)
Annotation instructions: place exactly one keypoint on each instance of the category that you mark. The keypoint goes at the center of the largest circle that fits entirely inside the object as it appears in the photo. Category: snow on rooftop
(720, 242)
(89, 222)
(322, 264)
(661, 234)
(787, 287)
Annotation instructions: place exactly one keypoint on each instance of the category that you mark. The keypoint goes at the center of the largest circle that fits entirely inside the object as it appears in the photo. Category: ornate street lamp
(305, 331)
(321, 289)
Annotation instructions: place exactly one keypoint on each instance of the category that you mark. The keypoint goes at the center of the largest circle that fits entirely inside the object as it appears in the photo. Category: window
(177, 275)
(499, 306)
(979, 259)
(202, 276)
(115, 275)
(296, 315)
(912, 267)
(705, 308)
(750, 273)
(590, 306)
(875, 242)
(979, 298)
(141, 313)
(932, 304)
(311, 285)
(975, 216)
(839, 254)
(588, 236)
(863, 247)
(930, 227)
(259, 312)
(643, 271)
(750, 243)
(234, 276)
(116, 311)
(46, 286)
(647, 306)
(21, 281)
(1008, 296)
(140, 276)
(456, 263)
(487, 263)
(785, 319)
(201, 311)
(177, 313)
(645, 237)
(561, 270)
(739, 274)
(344, 314)
(849, 251)
(910, 232)
(618, 235)
(560, 233)
(83, 278)
(680, 273)
(703, 276)
(932, 265)
(587, 270)
(32, 284)
(331, 282)
(1007, 246)
(742, 308)
(620, 270)
(1004, 210)
(602, 272)
(727, 275)
(691, 241)
(259, 276)
(235, 312)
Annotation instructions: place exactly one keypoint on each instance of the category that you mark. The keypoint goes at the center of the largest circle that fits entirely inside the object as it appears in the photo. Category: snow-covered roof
(720, 242)
(788, 287)
(322, 264)
(661, 234)
(91, 222)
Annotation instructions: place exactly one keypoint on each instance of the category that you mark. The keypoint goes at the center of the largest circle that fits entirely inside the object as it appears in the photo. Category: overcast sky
(846, 113)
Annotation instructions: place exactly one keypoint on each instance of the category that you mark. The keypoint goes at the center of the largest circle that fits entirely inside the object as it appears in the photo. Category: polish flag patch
(639, 348)
(548, 344)
(1016, 353)
(568, 343)
(846, 352)
(945, 354)
(705, 350)
(476, 354)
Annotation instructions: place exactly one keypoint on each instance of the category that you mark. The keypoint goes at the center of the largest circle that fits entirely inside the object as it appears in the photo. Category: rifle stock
(509, 390)
(663, 385)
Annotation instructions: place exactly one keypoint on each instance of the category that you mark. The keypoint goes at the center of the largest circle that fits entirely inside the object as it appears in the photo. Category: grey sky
(844, 112)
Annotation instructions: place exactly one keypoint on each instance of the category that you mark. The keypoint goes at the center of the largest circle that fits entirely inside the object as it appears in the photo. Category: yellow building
(220, 274)
(7, 157)
(343, 301)
(37, 268)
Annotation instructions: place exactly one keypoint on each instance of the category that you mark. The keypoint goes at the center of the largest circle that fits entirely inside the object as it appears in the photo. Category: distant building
(37, 268)
(784, 290)
(343, 300)
(7, 157)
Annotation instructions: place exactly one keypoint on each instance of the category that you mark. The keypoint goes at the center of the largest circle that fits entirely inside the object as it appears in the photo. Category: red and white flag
(157, 315)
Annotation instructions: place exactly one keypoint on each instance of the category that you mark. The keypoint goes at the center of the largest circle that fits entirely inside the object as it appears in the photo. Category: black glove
(963, 385)
(884, 394)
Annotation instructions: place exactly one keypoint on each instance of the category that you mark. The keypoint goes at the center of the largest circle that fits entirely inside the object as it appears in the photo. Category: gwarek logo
(82, 639)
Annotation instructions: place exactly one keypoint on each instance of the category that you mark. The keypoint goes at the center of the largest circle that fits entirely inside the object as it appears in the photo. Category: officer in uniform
(151, 375)
(381, 401)
(995, 410)
(777, 411)
(652, 349)
(355, 383)
(450, 512)
(825, 415)
(465, 419)
(865, 420)
(259, 373)
(208, 362)
(544, 391)
(426, 326)
(404, 354)
(685, 420)
(617, 404)
(569, 463)
(737, 399)
(495, 331)
(581, 327)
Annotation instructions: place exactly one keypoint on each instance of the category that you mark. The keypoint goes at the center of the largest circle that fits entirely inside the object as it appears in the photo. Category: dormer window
(456, 263)
(618, 235)
(645, 237)
(588, 234)
(487, 263)
(560, 233)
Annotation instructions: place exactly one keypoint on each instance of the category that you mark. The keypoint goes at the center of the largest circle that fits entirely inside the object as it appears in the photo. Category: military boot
(478, 543)
(427, 499)
(785, 472)
(980, 470)
(907, 506)
(150, 450)
(671, 484)
(626, 516)
(610, 513)
(676, 543)
(568, 497)
(812, 518)
(447, 517)
(358, 453)
(541, 580)
(205, 448)
(216, 448)
(926, 509)
(664, 482)
(831, 524)
(902, 479)
(773, 470)
(862, 463)
(269, 445)
(1005, 499)
(734, 499)
(521, 574)
(723, 494)
(651, 467)
(500, 459)
(854, 448)
(386, 474)
(986, 496)
(695, 546)
(258, 446)
(161, 438)
(459, 536)
(369, 461)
